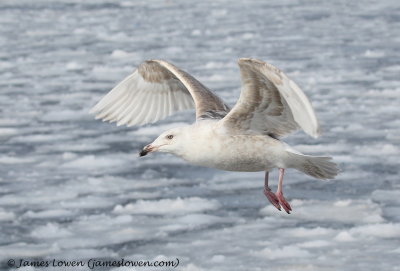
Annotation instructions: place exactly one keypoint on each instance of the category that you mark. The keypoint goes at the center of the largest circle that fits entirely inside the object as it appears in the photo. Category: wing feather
(269, 103)
(161, 105)
(112, 108)
(166, 105)
(151, 108)
(137, 116)
(113, 95)
(170, 103)
(146, 104)
(158, 108)
(127, 109)
(155, 90)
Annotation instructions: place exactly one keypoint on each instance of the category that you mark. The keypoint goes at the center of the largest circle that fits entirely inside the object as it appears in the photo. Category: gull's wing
(269, 103)
(155, 90)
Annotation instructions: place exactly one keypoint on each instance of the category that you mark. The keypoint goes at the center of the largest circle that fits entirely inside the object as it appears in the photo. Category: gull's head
(170, 141)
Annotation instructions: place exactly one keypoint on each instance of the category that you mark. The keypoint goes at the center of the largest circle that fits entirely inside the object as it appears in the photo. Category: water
(74, 188)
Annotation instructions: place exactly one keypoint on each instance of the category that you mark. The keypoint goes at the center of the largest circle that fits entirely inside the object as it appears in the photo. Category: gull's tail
(320, 167)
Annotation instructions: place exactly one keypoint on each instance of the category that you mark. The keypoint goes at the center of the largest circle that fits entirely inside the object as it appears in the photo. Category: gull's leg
(279, 193)
(270, 196)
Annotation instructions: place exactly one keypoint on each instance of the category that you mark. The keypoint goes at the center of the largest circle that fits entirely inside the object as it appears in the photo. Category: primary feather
(153, 92)
(270, 103)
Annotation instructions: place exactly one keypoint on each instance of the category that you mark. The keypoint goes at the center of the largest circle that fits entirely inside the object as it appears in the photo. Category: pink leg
(270, 196)
(279, 193)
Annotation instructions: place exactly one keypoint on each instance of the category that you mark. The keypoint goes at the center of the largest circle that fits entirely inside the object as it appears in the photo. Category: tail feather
(319, 167)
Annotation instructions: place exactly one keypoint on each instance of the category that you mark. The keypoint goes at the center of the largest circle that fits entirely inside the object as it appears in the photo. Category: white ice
(72, 187)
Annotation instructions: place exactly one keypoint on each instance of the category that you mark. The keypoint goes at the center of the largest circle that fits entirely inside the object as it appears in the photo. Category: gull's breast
(236, 153)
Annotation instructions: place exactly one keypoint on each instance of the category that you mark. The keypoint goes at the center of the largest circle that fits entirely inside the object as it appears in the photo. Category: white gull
(244, 138)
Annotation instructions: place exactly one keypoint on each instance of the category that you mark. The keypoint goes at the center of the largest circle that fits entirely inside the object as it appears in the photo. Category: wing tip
(315, 132)
(243, 60)
(259, 64)
(150, 61)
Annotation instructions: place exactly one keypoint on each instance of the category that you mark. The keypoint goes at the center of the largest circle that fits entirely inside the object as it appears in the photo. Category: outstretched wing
(269, 103)
(153, 92)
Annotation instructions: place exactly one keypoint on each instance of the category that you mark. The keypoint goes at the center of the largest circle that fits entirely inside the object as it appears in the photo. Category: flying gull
(244, 138)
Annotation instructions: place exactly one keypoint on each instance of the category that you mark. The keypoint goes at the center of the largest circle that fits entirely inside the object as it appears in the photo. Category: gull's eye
(170, 136)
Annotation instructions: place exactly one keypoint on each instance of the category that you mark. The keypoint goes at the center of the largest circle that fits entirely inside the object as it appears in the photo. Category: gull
(246, 138)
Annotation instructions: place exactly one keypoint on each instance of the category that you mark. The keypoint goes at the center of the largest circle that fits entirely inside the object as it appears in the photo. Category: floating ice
(347, 211)
(168, 206)
(73, 188)
(284, 252)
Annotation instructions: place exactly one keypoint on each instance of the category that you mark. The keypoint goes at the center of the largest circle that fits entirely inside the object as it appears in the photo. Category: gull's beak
(146, 150)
